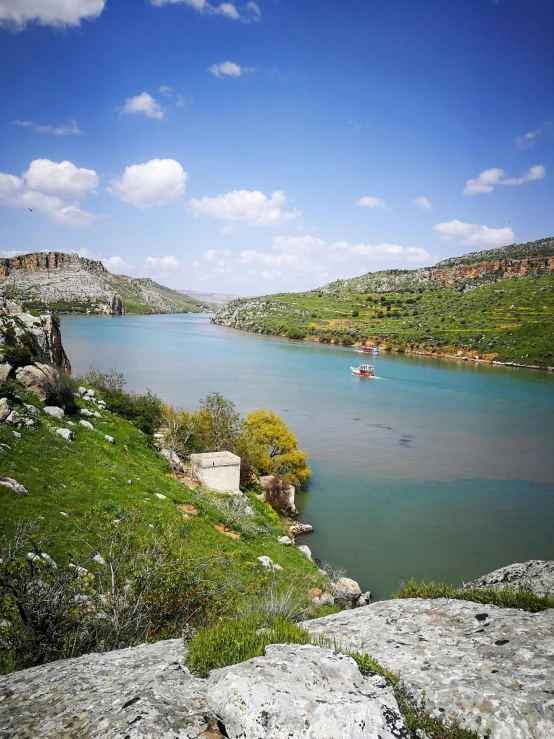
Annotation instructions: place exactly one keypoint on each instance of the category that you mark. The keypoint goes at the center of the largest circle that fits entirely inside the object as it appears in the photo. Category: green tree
(217, 424)
(272, 447)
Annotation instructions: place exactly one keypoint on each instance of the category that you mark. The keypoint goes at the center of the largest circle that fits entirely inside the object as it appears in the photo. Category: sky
(251, 147)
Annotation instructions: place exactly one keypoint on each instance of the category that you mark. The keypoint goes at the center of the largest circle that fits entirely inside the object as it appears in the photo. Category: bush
(232, 641)
(144, 411)
(355, 313)
(295, 333)
(110, 380)
(59, 391)
(17, 356)
(276, 494)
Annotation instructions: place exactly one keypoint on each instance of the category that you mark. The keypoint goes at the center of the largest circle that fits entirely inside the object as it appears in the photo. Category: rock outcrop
(303, 691)
(536, 575)
(40, 334)
(491, 668)
(61, 281)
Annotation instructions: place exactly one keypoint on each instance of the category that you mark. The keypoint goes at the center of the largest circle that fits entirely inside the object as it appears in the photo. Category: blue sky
(253, 147)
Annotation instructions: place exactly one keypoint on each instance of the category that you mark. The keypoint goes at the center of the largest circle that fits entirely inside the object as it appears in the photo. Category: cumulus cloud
(145, 104)
(15, 193)
(65, 130)
(157, 182)
(530, 138)
(246, 13)
(62, 179)
(472, 234)
(246, 206)
(487, 180)
(423, 203)
(16, 14)
(373, 203)
(161, 266)
(308, 259)
(115, 264)
(229, 69)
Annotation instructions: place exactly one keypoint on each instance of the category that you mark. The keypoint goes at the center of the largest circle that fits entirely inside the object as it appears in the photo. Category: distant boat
(364, 370)
(369, 350)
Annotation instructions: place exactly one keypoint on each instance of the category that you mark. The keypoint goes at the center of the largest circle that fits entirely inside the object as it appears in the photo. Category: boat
(364, 370)
(371, 350)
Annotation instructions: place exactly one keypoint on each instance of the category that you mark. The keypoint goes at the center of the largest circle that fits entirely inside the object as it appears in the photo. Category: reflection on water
(440, 470)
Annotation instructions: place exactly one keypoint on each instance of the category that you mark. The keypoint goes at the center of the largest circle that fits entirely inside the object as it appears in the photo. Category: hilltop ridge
(64, 282)
(494, 306)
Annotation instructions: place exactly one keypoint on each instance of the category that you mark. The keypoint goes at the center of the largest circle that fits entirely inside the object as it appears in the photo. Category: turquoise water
(439, 470)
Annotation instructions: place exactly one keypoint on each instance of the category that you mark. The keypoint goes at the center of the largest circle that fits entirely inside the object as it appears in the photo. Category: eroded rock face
(35, 378)
(491, 668)
(139, 692)
(301, 691)
(536, 574)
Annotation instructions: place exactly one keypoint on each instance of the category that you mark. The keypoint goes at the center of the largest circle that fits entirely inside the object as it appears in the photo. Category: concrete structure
(217, 470)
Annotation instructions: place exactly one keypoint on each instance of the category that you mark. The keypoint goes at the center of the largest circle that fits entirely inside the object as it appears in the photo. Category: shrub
(232, 641)
(17, 356)
(355, 313)
(110, 380)
(59, 391)
(144, 411)
(276, 494)
(295, 333)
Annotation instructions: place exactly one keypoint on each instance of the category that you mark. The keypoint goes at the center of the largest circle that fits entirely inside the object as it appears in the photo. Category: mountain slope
(66, 282)
(494, 306)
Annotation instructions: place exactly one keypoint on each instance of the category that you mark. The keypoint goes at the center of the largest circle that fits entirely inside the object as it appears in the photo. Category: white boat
(364, 370)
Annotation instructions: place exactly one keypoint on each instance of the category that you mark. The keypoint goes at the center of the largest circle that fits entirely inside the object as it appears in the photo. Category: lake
(440, 470)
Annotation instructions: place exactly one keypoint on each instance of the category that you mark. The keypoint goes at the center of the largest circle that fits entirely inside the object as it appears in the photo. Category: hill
(62, 282)
(496, 305)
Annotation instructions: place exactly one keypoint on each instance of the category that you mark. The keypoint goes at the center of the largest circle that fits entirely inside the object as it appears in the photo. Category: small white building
(217, 470)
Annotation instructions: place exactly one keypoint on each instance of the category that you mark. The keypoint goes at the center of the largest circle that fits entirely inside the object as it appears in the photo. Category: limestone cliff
(39, 334)
(66, 282)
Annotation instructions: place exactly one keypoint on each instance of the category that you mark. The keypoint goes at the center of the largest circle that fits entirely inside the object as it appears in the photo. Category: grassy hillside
(495, 319)
(90, 484)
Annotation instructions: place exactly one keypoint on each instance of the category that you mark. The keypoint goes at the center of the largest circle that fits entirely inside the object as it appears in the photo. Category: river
(440, 470)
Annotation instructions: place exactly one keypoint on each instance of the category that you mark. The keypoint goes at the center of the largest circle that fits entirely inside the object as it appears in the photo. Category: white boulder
(66, 434)
(54, 411)
(4, 409)
(87, 425)
(305, 550)
(9, 482)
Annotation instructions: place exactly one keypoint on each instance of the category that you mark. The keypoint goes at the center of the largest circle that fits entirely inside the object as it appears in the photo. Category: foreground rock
(536, 574)
(140, 692)
(491, 668)
(303, 691)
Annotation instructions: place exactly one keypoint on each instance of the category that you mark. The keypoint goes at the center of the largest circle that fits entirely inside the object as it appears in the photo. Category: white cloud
(530, 138)
(390, 252)
(166, 91)
(534, 173)
(15, 193)
(473, 234)
(297, 243)
(157, 182)
(116, 264)
(143, 103)
(248, 13)
(65, 130)
(355, 125)
(423, 203)
(161, 266)
(229, 69)
(487, 180)
(373, 203)
(251, 207)
(16, 14)
(62, 179)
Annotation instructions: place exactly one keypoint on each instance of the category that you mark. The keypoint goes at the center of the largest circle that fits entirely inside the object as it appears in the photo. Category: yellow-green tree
(272, 447)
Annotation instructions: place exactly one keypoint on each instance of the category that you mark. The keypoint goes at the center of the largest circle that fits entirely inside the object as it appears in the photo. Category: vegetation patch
(523, 598)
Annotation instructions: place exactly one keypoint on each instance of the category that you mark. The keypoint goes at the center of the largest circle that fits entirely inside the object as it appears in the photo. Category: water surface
(439, 470)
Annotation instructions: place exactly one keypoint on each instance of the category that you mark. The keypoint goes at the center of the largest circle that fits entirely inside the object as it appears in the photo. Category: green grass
(90, 474)
(522, 598)
(508, 321)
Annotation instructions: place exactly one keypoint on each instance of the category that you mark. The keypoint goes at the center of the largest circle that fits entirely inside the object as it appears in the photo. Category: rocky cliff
(66, 282)
(488, 668)
(40, 335)
(476, 268)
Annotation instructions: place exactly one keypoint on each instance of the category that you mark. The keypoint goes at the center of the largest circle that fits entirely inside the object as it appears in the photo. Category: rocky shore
(488, 668)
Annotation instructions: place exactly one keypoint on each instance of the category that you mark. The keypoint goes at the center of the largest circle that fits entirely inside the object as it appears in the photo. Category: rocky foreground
(492, 669)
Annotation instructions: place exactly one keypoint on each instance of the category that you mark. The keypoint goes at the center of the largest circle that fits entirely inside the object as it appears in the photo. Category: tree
(218, 425)
(272, 447)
